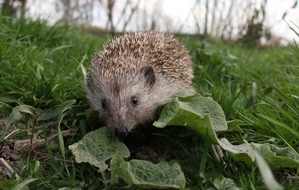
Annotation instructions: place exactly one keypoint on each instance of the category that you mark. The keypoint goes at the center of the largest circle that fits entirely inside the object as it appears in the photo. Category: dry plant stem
(293, 178)
(24, 145)
(7, 166)
(10, 134)
(61, 160)
(104, 176)
(32, 133)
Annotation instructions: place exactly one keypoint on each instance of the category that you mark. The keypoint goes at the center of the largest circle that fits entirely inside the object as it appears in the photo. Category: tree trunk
(206, 19)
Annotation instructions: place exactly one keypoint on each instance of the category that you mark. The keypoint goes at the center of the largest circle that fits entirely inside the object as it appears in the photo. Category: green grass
(43, 67)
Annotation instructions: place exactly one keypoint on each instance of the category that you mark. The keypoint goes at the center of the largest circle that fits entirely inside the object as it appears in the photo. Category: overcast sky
(178, 13)
(179, 9)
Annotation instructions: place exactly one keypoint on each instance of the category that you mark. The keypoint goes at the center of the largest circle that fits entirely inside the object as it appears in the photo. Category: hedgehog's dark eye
(134, 100)
(104, 104)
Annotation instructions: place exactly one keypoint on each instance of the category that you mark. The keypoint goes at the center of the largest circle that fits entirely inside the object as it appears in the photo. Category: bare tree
(293, 7)
(132, 12)
(129, 9)
(7, 8)
(67, 11)
(13, 7)
(214, 10)
(227, 21)
(110, 6)
(197, 3)
(75, 11)
(205, 33)
(254, 28)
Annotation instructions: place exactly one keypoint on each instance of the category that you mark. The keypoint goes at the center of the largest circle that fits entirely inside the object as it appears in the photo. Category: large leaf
(242, 152)
(145, 174)
(183, 110)
(97, 147)
(201, 114)
(205, 116)
(277, 157)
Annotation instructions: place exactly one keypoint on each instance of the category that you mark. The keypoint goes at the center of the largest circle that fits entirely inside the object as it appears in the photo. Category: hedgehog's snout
(121, 131)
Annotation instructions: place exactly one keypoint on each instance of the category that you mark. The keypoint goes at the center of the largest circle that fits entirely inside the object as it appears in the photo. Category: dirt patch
(11, 150)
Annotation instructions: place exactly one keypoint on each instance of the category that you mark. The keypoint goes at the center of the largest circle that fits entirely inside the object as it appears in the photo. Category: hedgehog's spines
(159, 50)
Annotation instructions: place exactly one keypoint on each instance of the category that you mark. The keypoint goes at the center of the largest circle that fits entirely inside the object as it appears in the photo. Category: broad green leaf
(242, 152)
(277, 157)
(184, 107)
(222, 183)
(201, 114)
(97, 147)
(145, 174)
(205, 116)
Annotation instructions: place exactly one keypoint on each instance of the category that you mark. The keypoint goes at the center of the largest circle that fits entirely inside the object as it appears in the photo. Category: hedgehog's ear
(149, 75)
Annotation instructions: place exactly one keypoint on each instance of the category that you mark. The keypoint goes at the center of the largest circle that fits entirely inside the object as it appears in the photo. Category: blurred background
(252, 22)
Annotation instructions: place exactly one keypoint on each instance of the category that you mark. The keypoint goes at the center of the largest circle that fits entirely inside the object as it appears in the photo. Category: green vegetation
(42, 98)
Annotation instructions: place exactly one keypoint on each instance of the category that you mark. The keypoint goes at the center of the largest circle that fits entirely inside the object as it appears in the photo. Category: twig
(61, 160)
(293, 178)
(24, 145)
(10, 134)
(7, 166)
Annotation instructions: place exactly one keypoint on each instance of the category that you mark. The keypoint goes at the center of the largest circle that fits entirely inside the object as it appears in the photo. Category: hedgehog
(134, 76)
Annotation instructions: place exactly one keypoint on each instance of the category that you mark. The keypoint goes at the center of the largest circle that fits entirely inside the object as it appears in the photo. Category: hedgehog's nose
(122, 131)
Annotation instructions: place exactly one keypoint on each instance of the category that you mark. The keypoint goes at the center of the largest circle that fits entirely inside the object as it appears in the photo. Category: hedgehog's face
(124, 102)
